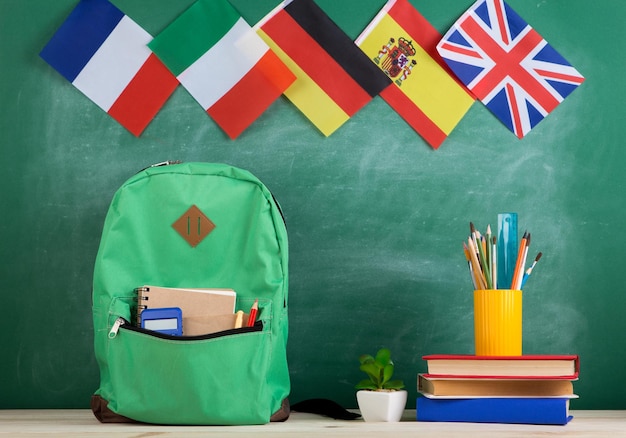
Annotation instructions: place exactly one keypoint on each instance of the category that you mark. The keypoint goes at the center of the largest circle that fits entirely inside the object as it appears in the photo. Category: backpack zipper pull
(161, 164)
(166, 163)
(116, 326)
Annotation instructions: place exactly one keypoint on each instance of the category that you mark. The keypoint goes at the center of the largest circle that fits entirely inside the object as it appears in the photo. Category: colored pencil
(494, 263)
(482, 284)
(253, 311)
(484, 263)
(239, 319)
(519, 265)
(523, 264)
(469, 265)
(488, 253)
(483, 259)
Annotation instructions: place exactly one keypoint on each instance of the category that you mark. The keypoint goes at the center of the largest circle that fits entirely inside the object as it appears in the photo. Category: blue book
(495, 410)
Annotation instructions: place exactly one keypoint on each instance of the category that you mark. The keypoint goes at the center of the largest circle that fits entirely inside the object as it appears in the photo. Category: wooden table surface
(82, 423)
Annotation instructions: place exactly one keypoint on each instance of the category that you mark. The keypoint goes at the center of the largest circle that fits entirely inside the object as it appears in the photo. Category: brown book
(500, 367)
(476, 387)
(204, 310)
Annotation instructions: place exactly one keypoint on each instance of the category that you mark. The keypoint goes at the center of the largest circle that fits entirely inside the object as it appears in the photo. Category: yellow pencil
(466, 251)
(239, 319)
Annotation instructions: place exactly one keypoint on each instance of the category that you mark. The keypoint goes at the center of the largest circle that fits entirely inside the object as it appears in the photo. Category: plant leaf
(387, 372)
(394, 384)
(365, 384)
(372, 370)
(383, 356)
(366, 358)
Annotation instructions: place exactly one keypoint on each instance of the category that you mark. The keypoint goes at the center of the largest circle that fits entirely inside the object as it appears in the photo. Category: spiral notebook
(204, 310)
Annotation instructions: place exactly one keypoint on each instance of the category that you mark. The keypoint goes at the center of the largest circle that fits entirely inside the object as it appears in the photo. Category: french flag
(104, 54)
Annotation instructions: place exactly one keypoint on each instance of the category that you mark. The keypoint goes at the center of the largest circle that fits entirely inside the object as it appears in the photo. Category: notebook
(204, 310)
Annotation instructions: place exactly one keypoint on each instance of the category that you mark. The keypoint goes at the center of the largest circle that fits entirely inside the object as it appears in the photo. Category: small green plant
(379, 370)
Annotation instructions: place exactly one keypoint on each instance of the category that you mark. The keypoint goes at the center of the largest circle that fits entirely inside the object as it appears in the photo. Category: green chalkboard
(376, 218)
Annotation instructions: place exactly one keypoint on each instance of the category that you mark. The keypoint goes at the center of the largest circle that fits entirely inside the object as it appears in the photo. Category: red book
(564, 367)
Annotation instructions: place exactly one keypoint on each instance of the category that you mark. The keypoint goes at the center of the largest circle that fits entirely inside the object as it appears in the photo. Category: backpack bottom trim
(100, 409)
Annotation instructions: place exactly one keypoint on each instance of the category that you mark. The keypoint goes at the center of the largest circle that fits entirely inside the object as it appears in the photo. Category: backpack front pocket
(221, 380)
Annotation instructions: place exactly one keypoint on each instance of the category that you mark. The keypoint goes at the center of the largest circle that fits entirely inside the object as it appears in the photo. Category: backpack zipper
(121, 322)
(116, 326)
(161, 164)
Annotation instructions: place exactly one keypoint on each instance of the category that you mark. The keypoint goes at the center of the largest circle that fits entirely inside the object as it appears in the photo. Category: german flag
(334, 78)
(403, 44)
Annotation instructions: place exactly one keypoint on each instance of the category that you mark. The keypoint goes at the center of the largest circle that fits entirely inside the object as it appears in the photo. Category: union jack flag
(507, 65)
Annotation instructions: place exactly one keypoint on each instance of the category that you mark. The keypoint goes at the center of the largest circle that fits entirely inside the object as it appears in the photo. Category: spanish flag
(404, 46)
(334, 79)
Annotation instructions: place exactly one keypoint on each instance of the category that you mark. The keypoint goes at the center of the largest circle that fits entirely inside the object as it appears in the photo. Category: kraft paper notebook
(204, 310)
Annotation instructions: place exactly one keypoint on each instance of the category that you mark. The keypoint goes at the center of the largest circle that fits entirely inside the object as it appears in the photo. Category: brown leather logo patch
(193, 226)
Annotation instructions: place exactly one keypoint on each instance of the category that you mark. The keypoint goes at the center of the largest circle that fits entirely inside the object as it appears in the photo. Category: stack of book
(497, 389)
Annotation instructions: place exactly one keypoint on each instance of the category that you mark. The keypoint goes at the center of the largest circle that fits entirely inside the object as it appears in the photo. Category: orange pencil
(520, 278)
(519, 265)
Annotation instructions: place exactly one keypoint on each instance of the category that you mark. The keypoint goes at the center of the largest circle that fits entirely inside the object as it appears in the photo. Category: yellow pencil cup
(498, 322)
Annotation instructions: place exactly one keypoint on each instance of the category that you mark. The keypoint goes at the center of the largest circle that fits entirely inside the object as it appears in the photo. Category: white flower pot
(381, 405)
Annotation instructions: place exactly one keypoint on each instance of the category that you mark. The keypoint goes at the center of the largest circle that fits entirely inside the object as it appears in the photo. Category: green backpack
(193, 225)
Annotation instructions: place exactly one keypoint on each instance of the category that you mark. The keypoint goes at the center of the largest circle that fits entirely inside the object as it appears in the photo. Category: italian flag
(222, 63)
(424, 91)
